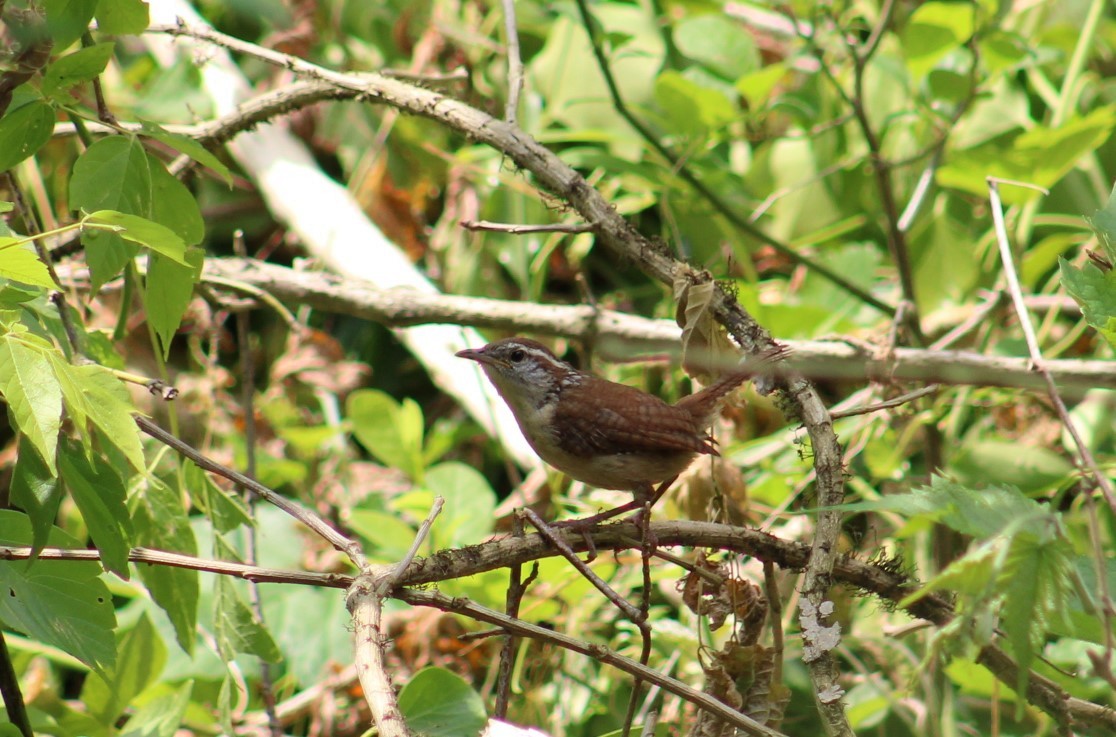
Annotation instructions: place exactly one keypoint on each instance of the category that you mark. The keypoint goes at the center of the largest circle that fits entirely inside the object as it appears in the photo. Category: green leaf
(140, 657)
(174, 206)
(112, 174)
(99, 494)
(73, 69)
(692, 108)
(136, 229)
(1041, 156)
(110, 408)
(977, 512)
(35, 490)
(162, 716)
(63, 604)
(22, 264)
(1035, 469)
(160, 522)
(1036, 579)
(225, 510)
(32, 393)
(935, 29)
(1095, 291)
(1103, 223)
(390, 431)
(439, 703)
(721, 44)
(186, 145)
(24, 131)
(236, 629)
(168, 289)
(470, 504)
(107, 254)
(68, 19)
(122, 17)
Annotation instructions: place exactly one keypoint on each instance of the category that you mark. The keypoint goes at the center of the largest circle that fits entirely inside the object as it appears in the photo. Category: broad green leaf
(999, 461)
(77, 68)
(567, 76)
(691, 108)
(1004, 51)
(162, 716)
(470, 504)
(386, 535)
(236, 628)
(32, 393)
(224, 509)
(1041, 156)
(136, 229)
(168, 289)
(77, 407)
(935, 29)
(140, 657)
(723, 45)
(63, 604)
(110, 408)
(439, 703)
(35, 490)
(22, 264)
(1103, 223)
(68, 19)
(99, 493)
(1036, 583)
(160, 521)
(188, 146)
(112, 174)
(980, 513)
(174, 205)
(390, 431)
(24, 131)
(1095, 291)
(122, 17)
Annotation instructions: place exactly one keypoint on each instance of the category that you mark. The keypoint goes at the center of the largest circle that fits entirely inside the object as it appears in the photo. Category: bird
(605, 434)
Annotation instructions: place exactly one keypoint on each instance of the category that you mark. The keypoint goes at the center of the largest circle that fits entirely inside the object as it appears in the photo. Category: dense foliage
(909, 194)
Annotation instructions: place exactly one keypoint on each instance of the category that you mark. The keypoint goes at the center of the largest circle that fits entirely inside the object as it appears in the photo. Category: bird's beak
(476, 354)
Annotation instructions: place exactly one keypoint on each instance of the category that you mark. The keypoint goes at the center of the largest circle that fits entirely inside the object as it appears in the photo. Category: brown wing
(615, 418)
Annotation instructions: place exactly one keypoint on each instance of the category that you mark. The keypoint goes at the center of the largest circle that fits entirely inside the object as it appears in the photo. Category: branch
(300, 513)
(619, 336)
(445, 565)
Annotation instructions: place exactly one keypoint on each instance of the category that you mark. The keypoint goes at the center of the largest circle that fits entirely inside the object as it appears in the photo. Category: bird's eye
(517, 355)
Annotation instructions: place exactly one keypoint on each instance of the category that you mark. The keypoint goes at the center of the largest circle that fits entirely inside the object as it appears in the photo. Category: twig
(775, 616)
(485, 225)
(554, 538)
(248, 407)
(887, 404)
(516, 588)
(515, 63)
(365, 601)
(302, 514)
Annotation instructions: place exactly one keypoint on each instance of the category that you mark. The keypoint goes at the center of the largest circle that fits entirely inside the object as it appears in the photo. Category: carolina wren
(608, 435)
